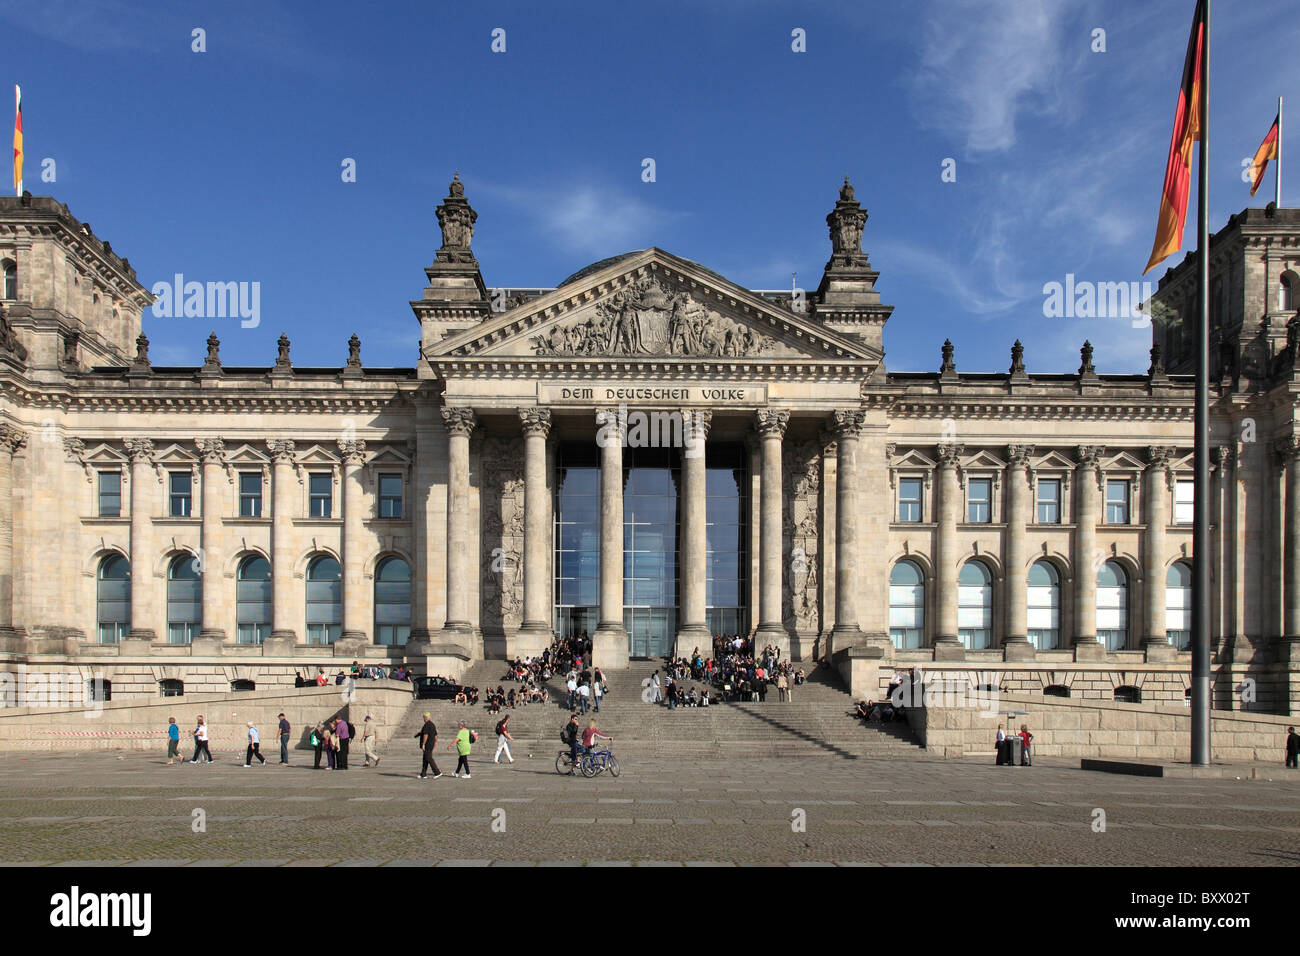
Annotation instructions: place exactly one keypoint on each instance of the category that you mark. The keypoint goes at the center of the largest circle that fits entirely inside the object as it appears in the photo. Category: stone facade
(449, 470)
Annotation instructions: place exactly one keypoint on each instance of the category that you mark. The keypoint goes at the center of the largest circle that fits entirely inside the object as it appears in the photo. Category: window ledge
(169, 519)
(98, 519)
(242, 520)
(323, 522)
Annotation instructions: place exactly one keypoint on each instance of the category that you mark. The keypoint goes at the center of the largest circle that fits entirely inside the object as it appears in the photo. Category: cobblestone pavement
(133, 809)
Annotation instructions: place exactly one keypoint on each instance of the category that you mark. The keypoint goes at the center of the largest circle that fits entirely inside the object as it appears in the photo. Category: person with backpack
(571, 734)
(464, 741)
(503, 740)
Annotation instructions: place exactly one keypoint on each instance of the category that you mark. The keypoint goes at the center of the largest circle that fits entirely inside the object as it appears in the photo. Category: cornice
(648, 368)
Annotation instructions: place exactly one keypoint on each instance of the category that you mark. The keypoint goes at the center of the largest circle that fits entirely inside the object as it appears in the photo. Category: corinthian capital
(847, 423)
(1019, 455)
(1158, 455)
(458, 421)
(949, 454)
(352, 452)
(1090, 454)
(771, 422)
(211, 450)
(535, 421)
(281, 451)
(11, 438)
(139, 449)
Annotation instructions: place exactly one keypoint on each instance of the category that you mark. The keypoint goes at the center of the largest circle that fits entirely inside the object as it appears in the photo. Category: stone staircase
(816, 723)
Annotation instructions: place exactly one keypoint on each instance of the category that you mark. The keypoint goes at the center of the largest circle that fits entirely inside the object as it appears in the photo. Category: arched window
(392, 601)
(10, 278)
(1112, 606)
(113, 599)
(253, 600)
(184, 600)
(907, 605)
(324, 601)
(975, 605)
(1178, 605)
(1288, 292)
(242, 685)
(1044, 606)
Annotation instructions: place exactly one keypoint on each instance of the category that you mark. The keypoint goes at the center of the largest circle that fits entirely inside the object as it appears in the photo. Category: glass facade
(726, 587)
(184, 600)
(651, 480)
(253, 600)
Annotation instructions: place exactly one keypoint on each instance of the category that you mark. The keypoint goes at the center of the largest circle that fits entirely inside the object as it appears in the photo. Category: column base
(1089, 649)
(213, 634)
(418, 642)
(350, 644)
(845, 636)
(1159, 649)
(279, 642)
(205, 645)
(692, 636)
(609, 647)
(949, 650)
(530, 640)
(1018, 649)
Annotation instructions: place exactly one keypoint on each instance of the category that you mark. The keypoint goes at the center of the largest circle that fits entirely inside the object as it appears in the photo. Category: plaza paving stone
(96, 809)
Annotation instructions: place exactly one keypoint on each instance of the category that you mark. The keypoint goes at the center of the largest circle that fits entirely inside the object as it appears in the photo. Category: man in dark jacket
(1292, 748)
(428, 737)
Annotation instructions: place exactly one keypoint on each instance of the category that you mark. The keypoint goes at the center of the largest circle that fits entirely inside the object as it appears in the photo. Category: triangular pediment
(651, 305)
(912, 459)
(983, 460)
(1124, 461)
(1053, 461)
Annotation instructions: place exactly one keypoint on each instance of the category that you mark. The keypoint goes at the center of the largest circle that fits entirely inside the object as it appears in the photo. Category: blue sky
(225, 165)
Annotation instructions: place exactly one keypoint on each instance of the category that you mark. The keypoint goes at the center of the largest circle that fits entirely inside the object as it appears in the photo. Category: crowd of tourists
(329, 739)
(357, 671)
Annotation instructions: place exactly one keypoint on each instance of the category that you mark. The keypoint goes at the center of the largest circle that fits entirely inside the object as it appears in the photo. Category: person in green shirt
(463, 746)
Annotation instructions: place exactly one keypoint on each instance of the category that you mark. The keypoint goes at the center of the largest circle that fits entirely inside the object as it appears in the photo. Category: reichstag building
(651, 454)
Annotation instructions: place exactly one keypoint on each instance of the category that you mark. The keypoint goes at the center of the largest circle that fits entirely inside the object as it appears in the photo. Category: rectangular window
(1184, 501)
(321, 495)
(390, 496)
(1049, 501)
(250, 494)
(909, 500)
(1117, 502)
(110, 494)
(180, 497)
(979, 498)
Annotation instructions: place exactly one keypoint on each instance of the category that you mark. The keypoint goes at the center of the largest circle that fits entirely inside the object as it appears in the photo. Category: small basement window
(243, 685)
(171, 687)
(99, 690)
(1056, 690)
(1128, 694)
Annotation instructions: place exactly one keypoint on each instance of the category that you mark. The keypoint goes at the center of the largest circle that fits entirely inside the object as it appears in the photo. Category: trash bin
(1015, 748)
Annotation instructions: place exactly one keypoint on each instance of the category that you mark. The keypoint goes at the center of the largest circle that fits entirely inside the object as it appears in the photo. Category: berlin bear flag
(1187, 130)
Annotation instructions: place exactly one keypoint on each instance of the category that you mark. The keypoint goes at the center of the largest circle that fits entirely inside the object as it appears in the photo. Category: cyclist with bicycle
(589, 737)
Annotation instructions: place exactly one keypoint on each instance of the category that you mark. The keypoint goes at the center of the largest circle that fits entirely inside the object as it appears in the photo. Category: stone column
(143, 585)
(460, 564)
(692, 627)
(847, 426)
(11, 439)
(830, 520)
(609, 643)
(1015, 642)
(353, 454)
(947, 644)
(284, 485)
(1155, 640)
(427, 525)
(771, 425)
(1086, 491)
(1289, 449)
(535, 632)
(212, 454)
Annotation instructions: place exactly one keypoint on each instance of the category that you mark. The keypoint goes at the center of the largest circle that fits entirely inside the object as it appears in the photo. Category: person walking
(201, 742)
(428, 737)
(344, 736)
(463, 744)
(173, 741)
(369, 741)
(782, 686)
(1026, 736)
(571, 685)
(503, 740)
(254, 747)
(318, 742)
(1292, 748)
(658, 696)
(284, 740)
(584, 696)
(597, 691)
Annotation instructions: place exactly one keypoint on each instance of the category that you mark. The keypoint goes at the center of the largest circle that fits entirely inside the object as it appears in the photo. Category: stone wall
(141, 724)
(1069, 728)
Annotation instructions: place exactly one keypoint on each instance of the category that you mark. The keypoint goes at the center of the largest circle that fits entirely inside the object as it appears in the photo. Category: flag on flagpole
(18, 140)
(1267, 150)
(1187, 130)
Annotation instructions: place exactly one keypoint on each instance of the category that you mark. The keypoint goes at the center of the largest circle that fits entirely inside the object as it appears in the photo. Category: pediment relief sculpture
(644, 319)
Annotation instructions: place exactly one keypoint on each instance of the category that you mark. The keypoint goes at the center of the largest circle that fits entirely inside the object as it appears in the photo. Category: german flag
(18, 141)
(1187, 130)
(1267, 150)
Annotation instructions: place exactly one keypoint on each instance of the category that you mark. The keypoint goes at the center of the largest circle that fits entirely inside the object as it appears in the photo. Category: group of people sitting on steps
(528, 694)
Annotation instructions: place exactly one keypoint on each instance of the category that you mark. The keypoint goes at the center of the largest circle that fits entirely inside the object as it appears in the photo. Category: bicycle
(564, 763)
(598, 761)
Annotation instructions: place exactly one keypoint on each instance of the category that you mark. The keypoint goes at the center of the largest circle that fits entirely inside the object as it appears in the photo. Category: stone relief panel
(801, 482)
(646, 319)
(502, 465)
